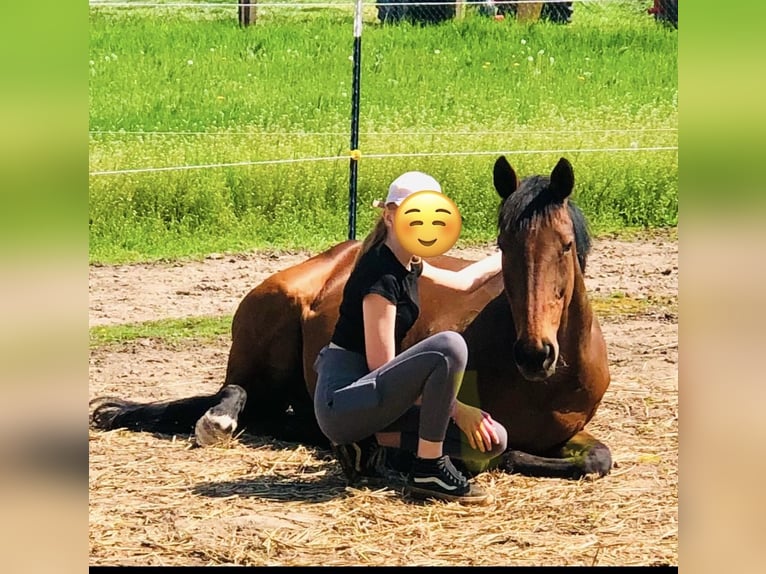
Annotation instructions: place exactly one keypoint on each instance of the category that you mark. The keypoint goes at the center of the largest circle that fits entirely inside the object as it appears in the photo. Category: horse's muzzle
(535, 362)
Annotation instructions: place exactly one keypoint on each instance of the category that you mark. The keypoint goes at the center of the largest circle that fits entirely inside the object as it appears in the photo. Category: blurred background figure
(559, 12)
(665, 11)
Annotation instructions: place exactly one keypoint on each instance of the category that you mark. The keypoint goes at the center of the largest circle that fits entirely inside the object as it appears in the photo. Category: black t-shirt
(378, 271)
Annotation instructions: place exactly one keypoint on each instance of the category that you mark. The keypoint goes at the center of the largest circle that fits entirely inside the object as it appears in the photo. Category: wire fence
(429, 154)
(390, 12)
(423, 11)
(377, 142)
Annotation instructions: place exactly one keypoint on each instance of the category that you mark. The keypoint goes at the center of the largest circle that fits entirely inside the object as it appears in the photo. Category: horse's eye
(568, 247)
(416, 223)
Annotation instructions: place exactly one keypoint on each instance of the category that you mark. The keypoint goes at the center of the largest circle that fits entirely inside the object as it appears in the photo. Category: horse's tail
(167, 417)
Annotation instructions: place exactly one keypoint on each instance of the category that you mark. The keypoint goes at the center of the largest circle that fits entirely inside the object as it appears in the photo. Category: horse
(537, 356)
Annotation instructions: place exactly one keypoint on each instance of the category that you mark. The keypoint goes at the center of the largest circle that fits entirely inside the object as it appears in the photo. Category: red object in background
(665, 11)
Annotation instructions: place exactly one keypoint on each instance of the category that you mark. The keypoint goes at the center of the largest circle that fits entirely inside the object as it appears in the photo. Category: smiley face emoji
(427, 223)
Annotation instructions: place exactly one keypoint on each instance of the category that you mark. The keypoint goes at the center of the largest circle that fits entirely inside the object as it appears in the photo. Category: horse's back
(444, 309)
(267, 325)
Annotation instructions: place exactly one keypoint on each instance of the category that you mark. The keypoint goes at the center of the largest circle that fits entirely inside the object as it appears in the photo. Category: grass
(172, 89)
(173, 331)
(167, 330)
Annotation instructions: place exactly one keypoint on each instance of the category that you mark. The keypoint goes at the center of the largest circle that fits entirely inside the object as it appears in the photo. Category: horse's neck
(576, 322)
(581, 345)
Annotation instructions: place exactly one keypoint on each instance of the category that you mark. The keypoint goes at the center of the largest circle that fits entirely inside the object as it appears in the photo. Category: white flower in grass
(540, 52)
(523, 42)
(437, 51)
(190, 62)
(552, 59)
(530, 58)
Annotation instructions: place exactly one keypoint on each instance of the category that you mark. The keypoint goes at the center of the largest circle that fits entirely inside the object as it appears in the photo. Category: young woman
(366, 386)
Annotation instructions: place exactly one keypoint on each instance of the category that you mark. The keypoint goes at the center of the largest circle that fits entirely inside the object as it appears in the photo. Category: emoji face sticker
(427, 223)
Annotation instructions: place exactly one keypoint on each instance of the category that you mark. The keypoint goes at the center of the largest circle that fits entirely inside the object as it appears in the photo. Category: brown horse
(537, 358)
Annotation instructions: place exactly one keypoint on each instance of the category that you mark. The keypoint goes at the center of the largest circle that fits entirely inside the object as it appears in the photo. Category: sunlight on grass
(620, 304)
(208, 328)
(179, 89)
(167, 330)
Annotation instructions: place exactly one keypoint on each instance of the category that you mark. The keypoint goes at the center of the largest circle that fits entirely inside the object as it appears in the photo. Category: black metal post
(247, 12)
(354, 161)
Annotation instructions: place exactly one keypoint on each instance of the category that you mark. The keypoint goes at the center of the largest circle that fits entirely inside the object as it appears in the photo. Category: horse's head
(544, 242)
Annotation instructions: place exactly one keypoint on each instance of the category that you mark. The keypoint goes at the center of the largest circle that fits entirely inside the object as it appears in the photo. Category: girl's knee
(502, 445)
(483, 460)
(452, 345)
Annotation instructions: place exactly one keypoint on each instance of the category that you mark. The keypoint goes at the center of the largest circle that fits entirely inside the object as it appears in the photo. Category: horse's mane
(532, 202)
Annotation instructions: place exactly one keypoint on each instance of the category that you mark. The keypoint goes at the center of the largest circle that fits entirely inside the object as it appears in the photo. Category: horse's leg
(292, 420)
(267, 351)
(301, 425)
(220, 421)
(265, 359)
(212, 418)
(581, 455)
(168, 417)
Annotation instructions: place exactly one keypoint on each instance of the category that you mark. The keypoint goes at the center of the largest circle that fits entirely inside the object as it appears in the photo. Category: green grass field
(172, 89)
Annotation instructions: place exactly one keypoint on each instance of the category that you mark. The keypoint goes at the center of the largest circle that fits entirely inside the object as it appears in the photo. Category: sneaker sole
(423, 493)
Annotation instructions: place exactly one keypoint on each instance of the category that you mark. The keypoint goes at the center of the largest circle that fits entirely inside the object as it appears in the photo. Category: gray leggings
(352, 403)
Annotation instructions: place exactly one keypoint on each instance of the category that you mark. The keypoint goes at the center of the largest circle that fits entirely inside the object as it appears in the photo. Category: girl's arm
(379, 321)
(467, 279)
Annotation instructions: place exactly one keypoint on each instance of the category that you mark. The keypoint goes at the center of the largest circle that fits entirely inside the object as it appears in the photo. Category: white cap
(407, 184)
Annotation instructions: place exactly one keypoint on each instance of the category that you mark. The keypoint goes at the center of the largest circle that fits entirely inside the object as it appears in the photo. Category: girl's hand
(477, 425)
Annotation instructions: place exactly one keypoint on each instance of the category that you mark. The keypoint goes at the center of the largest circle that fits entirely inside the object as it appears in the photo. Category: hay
(156, 501)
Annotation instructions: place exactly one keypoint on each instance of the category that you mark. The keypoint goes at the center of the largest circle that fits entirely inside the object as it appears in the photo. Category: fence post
(460, 9)
(247, 12)
(354, 162)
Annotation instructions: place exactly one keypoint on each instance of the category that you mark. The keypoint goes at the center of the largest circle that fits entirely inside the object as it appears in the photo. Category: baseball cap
(407, 184)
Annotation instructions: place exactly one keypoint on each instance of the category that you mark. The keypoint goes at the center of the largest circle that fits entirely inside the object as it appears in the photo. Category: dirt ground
(154, 501)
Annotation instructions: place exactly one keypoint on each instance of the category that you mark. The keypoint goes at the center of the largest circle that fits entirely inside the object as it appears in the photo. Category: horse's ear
(562, 179)
(504, 177)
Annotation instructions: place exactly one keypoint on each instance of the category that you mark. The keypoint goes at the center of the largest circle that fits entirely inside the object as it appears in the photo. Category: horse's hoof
(212, 429)
(598, 460)
(507, 462)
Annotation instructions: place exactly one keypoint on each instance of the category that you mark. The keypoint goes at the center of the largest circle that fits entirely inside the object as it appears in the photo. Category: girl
(366, 386)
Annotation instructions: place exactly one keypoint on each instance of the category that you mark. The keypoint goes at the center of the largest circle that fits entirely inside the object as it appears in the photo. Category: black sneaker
(365, 460)
(438, 478)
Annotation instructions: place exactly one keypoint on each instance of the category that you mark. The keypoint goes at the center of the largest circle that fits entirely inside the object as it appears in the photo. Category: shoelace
(454, 475)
